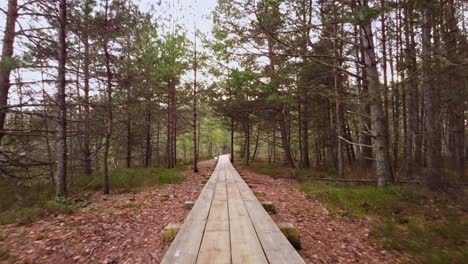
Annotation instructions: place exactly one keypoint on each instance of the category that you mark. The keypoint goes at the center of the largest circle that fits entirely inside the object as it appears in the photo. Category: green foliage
(25, 203)
(274, 170)
(9, 63)
(133, 179)
(366, 14)
(428, 226)
(4, 253)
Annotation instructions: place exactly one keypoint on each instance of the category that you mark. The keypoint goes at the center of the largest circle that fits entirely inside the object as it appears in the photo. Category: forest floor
(365, 223)
(126, 227)
(324, 237)
(119, 228)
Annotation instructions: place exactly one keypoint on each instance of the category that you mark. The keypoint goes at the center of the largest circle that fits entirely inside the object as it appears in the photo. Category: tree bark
(232, 139)
(458, 93)
(6, 61)
(109, 124)
(86, 64)
(379, 128)
(171, 152)
(194, 121)
(433, 156)
(337, 83)
(148, 147)
(61, 95)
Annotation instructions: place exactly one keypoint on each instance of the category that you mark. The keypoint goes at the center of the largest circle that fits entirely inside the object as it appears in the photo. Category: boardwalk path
(228, 225)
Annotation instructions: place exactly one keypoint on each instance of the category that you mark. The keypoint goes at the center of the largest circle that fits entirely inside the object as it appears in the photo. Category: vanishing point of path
(229, 225)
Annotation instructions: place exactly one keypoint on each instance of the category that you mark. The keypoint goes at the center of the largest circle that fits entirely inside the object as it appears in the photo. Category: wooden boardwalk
(227, 224)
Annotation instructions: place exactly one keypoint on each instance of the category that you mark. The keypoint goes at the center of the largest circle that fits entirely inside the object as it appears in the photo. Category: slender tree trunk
(109, 102)
(458, 84)
(158, 142)
(366, 125)
(171, 130)
(247, 142)
(379, 128)
(87, 124)
(6, 61)
(147, 160)
(257, 139)
(337, 83)
(431, 117)
(232, 139)
(61, 95)
(195, 144)
(128, 158)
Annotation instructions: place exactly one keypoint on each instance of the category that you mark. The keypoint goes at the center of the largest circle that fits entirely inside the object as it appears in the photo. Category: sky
(187, 13)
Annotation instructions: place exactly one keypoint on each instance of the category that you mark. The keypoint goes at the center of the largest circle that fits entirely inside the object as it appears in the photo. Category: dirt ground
(120, 228)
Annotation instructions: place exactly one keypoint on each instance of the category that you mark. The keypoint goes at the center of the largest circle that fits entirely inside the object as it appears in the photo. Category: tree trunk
(109, 102)
(87, 125)
(128, 157)
(171, 152)
(147, 160)
(458, 93)
(366, 125)
(337, 83)
(379, 128)
(6, 62)
(247, 142)
(195, 143)
(62, 117)
(257, 139)
(279, 107)
(431, 117)
(232, 139)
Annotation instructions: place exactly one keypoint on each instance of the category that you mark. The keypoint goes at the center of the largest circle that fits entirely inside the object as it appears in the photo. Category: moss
(269, 207)
(428, 226)
(4, 253)
(259, 194)
(169, 232)
(291, 233)
(163, 197)
(24, 202)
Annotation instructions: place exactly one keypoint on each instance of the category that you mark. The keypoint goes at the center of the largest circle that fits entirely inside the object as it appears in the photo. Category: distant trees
(309, 83)
(108, 92)
(353, 88)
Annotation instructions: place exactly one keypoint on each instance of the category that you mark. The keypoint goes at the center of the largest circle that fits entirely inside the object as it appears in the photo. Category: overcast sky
(182, 12)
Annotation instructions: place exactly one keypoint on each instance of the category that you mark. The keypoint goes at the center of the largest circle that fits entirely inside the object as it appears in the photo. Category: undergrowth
(430, 227)
(24, 202)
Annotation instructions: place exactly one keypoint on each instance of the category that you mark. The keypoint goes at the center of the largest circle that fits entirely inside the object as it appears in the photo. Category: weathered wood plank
(275, 245)
(245, 245)
(185, 247)
(215, 246)
(229, 225)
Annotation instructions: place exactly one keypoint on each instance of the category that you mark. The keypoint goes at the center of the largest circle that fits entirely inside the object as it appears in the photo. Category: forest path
(229, 225)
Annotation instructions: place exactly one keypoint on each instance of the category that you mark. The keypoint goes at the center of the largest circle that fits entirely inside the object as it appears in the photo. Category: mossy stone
(259, 194)
(170, 232)
(291, 233)
(269, 207)
(163, 197)
(188, 204)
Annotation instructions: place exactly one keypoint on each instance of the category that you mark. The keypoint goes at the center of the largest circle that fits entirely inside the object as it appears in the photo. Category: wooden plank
(228, 225)
(277, 248)
(275, 245)
(215, 246)
(245, 245)
(185, 247)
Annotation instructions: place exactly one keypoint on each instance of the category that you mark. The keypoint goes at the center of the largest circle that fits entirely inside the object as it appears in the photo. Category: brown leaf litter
(325, 238)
